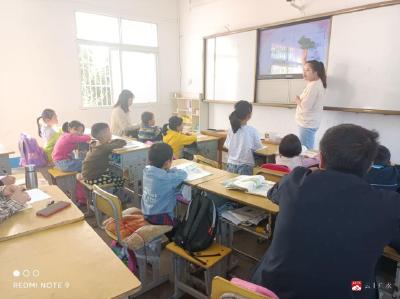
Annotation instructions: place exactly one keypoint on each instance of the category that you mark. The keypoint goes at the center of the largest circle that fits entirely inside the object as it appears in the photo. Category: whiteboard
(231, 67)
(364, 60)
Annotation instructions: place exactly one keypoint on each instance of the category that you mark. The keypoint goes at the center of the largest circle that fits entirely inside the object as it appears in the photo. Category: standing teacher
(121, 124)
(310, 102)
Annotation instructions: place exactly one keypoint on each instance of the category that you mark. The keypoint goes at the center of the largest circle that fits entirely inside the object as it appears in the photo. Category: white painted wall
(39, 65)
(210, 17)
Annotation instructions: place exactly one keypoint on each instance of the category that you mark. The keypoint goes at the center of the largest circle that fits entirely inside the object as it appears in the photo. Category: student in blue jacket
(161, 186)
(332, 225)
(382, 174)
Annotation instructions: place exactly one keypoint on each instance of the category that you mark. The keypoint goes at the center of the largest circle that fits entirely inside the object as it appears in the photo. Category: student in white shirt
(310, 102)
(242, 140)
(121, 124)
(290, 153)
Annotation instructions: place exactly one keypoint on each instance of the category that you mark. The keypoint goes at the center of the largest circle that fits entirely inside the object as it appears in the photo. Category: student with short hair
(48, 130)
(175, 138)
(382, 174)
(332, 225)
(242, 140)
(63, 150)
(290, 153)
(161, 186)
(148, 131)
(95, 168)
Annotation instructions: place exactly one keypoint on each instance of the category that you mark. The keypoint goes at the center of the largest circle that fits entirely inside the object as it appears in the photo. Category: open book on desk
(252, 184)
(193, 171)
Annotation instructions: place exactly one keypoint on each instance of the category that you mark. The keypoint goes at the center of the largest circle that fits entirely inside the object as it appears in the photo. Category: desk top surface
(203, 138)
(215, 172)
(216, 187)
(26, 222)
(5, 152)
(269, 150)
(72, 261)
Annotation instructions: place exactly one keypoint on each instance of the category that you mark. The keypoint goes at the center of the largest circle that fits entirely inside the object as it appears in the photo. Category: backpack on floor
(31, 152)
(197, 230)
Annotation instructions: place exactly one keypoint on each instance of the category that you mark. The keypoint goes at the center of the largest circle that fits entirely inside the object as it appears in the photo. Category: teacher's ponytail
(241, 112)
(318, 66)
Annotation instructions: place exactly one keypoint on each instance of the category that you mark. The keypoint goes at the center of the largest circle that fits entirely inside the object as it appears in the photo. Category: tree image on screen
(281, 49)
(306, 43)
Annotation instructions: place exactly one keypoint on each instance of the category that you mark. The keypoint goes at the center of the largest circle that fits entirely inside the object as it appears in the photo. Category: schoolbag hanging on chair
(31, 152)
(197, 230)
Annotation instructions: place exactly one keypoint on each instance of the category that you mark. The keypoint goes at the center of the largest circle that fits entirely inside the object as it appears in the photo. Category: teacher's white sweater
(309, 111)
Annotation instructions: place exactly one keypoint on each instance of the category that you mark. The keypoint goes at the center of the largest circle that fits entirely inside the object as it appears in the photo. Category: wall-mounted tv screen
(281, 49)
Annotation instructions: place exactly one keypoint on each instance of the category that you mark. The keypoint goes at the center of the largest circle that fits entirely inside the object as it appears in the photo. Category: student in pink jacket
(63, 150)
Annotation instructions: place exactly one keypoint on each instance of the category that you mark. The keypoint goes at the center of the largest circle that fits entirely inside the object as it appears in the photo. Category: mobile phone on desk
(53, 208)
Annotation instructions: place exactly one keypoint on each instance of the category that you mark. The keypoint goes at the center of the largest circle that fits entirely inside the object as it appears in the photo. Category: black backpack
(197, 230)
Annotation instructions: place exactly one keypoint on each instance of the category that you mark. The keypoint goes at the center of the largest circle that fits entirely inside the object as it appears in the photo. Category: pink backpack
(31, 152)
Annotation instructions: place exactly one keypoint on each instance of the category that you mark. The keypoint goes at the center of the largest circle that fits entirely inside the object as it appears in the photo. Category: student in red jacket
(63, 150)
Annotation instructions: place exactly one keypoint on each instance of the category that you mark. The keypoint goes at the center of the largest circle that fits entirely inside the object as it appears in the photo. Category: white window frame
(120, 47)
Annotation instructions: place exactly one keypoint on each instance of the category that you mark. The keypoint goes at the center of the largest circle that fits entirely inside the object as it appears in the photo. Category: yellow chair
(222, 286)
(270, 175)
(147, 252)
(213, 260)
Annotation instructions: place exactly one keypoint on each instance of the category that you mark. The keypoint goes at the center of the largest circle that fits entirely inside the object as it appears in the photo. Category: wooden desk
(26, 222)
(270, 149)
(221, 135)
(216, 187)
(216, 173)
(5, 165)
(208, 146)
(129, 163)
(72, 259)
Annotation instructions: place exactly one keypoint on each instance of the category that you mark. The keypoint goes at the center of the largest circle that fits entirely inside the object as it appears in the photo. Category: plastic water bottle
(31, 180)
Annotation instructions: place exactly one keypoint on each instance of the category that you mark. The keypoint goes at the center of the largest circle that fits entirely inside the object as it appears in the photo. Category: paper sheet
(194, 172)
(133, 144)
(37, 195)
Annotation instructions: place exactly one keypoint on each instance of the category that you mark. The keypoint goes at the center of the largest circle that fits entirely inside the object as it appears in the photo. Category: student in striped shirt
(148, 131)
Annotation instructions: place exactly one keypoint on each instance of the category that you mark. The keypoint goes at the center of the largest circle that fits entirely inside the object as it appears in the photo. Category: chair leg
(142, 265)
(178, 275)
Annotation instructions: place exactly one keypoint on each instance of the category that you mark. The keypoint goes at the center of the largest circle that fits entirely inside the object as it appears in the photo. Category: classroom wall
(200, 18)
(40, 67)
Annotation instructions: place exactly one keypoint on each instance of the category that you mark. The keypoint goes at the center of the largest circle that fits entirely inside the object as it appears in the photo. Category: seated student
(47, 128)
(382, 174)
(12, 200)
(63, 150)
(175, 138)
(290, 150)
(332, 225)
(160, 186)
(242, 140)
(95, 168)
(148, 131)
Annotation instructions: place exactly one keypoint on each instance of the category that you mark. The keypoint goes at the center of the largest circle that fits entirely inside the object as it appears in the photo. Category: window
(116, 54)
